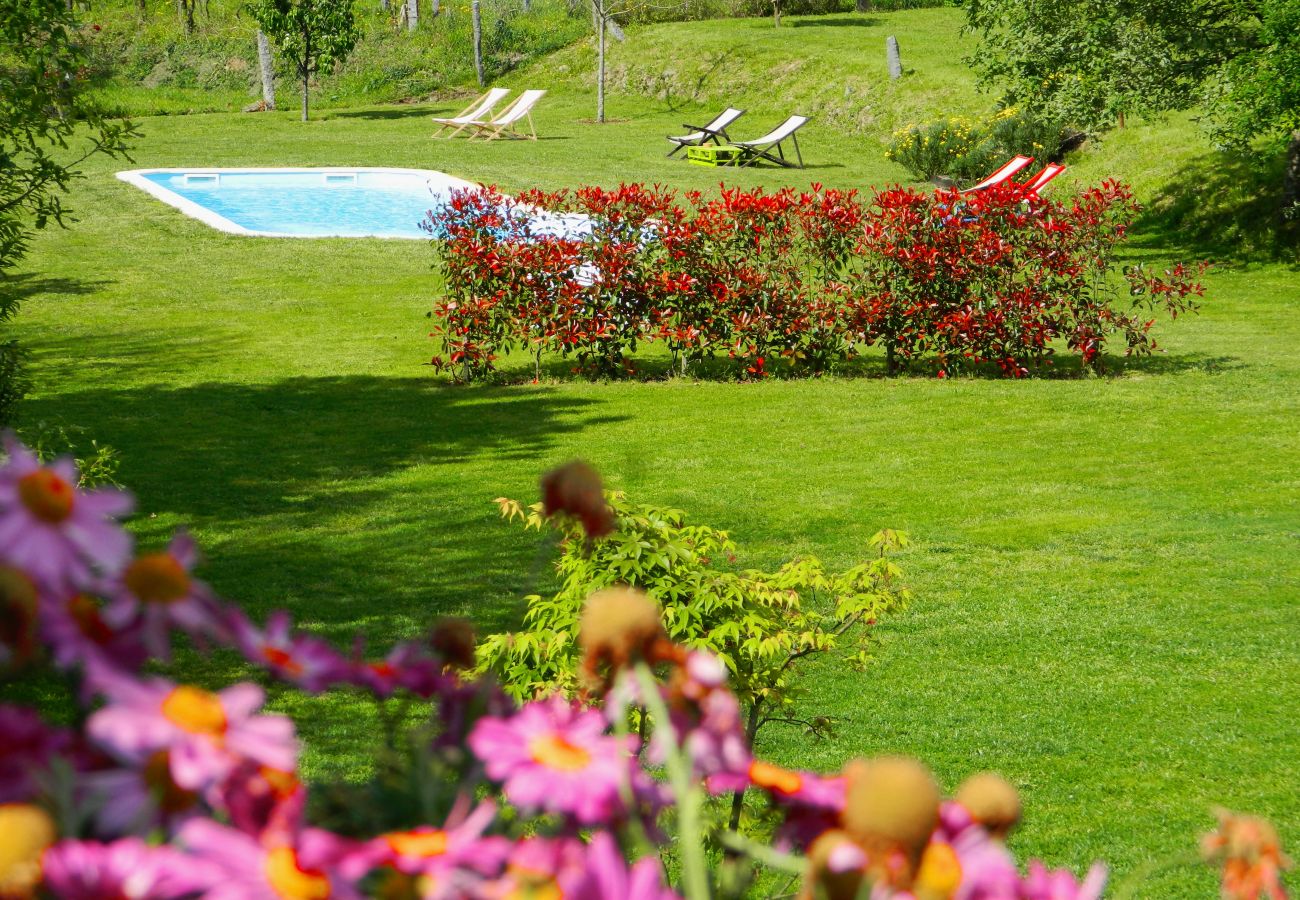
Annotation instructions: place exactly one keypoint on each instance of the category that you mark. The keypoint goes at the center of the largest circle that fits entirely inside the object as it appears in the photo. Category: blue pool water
(390, 203)
(307, 203)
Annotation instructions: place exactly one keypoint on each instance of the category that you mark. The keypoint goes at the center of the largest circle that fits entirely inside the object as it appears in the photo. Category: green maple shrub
(758, 623)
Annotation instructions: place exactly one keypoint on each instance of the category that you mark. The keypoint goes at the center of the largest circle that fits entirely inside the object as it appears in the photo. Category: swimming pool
(326, 202)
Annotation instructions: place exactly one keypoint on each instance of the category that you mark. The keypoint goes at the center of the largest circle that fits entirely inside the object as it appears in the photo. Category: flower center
(292, 882)
(85, 612)
(46, 496)
(282, 783)
(282, 659)
(940, 871)
(554, 752)
(531, 885)
(157, 578)
(432, 842)
(774, 778)
(195, 710)
(171, 797)
(27, 831)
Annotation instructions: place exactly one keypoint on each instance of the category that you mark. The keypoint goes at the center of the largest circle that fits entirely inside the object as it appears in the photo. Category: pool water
(304, 202)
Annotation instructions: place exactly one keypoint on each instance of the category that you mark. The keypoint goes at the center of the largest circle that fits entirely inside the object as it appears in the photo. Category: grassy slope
(1105, 569)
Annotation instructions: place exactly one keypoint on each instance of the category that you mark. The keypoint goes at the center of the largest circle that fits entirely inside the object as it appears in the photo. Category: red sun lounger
(1002, 174)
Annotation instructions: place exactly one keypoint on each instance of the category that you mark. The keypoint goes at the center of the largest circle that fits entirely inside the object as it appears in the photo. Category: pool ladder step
(203, 178)
(340, 177)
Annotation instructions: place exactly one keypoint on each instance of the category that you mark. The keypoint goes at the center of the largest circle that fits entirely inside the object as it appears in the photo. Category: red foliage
(1001, 278)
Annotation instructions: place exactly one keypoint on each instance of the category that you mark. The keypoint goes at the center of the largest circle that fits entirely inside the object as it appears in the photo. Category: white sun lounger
(715, 131)
(761, 148)
(505, 124)
(476, 111)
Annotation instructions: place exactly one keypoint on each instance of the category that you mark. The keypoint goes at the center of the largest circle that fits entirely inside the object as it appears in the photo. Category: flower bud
(992, 801)
(27, 830)
(575, 489)
(453, 640)
(618, 625)
(891, 807)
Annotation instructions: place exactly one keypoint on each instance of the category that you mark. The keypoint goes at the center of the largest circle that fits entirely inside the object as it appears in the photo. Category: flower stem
(690, 801)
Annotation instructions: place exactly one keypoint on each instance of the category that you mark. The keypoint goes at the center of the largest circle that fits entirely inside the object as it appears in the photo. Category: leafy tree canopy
(311, 33)
(48, 127)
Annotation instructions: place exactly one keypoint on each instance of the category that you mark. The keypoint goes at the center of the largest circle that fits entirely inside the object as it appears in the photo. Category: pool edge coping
(136, 177)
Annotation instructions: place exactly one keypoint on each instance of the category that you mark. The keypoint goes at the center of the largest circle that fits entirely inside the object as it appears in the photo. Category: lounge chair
(715, 131)
(476, 111)
(1039, 181)
(505, 124)
(1010, 168)
(761, 148)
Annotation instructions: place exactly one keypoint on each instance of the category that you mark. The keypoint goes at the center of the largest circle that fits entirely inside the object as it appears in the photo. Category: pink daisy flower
(608, 875)
(136, 799)
(74, 627)
(128, 869)
(988, 871)
(206, 734)
(250, 871)
(308, 662)
(1040, 883)
(555, 756)
(540, 867)
(158, 591)
(53, 531)
(408, 665)
(434, 851)
(262, 801)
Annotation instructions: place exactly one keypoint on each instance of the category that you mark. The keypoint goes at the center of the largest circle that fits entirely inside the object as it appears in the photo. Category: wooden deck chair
(1010, 168)
(505, 125)
(1039, 181)
(476, 111)
(761, 148)
(715, 131)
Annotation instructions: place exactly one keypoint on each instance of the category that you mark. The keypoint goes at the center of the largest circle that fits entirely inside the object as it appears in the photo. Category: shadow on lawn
(840, 22)
(334, 497)
(411, 111)
(29, 284)
(1223, 206)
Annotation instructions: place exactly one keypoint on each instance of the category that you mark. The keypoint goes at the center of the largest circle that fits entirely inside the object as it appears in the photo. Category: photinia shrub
(165, 789)
(797, 281)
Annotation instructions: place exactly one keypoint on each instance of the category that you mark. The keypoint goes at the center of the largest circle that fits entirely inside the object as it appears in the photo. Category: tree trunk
(1291, 177)
(863, 6)
(776, 12)
(412, 15)
(305, 79)
(435, 7)
(600, 60)
(266, 62)
(476, 14)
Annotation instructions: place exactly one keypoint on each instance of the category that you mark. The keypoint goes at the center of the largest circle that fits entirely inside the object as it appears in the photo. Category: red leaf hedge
(1000, 280)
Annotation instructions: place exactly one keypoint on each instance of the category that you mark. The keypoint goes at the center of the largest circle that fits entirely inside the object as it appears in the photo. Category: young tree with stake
(311, 33)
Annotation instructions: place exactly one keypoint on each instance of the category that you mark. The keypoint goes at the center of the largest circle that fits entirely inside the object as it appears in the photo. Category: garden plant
(168, 789)
(1000, 279)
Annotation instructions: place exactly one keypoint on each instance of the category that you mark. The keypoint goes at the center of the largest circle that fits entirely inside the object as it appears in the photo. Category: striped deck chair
(761, 148)
(1039, 181)
(715, 131)
(1010, 168)
(476, 111)
(505, 124)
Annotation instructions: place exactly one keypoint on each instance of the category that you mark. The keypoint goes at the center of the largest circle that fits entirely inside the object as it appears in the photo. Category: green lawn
(1106, 570)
